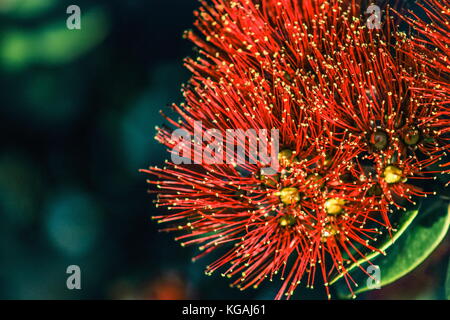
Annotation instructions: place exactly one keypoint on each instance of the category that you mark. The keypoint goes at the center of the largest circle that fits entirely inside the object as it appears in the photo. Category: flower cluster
(430, 45)
(362, 120)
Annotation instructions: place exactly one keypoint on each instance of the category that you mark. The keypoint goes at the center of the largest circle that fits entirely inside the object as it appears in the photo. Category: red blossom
(359, 123)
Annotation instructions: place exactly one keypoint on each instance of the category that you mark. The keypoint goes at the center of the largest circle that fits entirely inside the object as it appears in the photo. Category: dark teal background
(78, 110)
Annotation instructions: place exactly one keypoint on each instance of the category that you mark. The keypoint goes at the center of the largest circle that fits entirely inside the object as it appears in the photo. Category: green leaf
(417, 242)
(404, 221)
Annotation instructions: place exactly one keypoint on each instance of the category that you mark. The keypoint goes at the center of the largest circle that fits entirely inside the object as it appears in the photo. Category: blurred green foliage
(53, 43)
(25, 8)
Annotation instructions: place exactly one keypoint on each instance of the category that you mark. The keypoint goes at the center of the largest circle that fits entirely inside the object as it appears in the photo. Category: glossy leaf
(405, 220)
(416, 243)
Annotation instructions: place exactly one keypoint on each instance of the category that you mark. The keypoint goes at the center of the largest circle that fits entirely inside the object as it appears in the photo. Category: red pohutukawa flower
(430, 45)
(359, 124)
(432, 38)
